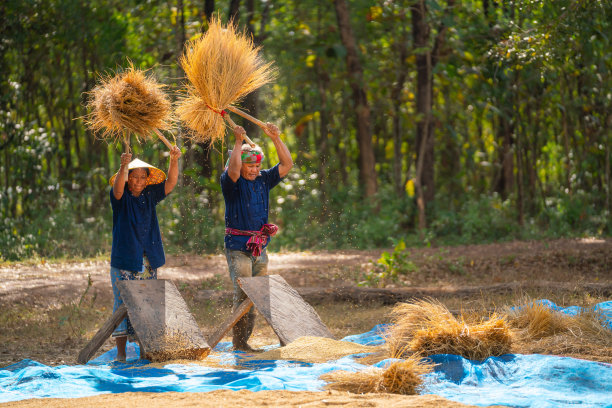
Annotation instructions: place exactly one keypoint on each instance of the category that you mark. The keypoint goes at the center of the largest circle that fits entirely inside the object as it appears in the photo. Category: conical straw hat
(156, 176)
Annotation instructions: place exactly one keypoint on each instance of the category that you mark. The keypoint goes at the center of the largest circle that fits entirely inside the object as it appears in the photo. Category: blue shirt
(136, 229)
(247, 204)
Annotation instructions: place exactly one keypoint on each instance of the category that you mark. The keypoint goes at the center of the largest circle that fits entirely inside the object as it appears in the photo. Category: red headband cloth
(247, 156)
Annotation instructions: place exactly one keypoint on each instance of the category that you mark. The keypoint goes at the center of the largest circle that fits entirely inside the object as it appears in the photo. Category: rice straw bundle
(475, 342)
(407, 318)
(427, 327)
(402, 377)
(222, 66)
(129, 102)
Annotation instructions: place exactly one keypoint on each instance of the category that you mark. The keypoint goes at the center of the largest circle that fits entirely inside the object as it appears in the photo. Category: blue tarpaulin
(513, 380)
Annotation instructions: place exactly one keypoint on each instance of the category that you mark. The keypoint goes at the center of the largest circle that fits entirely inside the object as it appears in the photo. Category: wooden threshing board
(283, 308)
(162, 321)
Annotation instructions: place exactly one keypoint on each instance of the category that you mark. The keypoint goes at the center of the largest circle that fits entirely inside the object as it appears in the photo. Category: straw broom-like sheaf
(128, 102)
(222, 66)
(427, 327)
(402, 377)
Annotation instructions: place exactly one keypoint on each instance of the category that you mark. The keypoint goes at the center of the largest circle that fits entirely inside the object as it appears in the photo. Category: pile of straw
(539, 321)
(402, 377)
(539, 329)
(128, 102)
(175, 345)
(427, 327)
(222, 66)
(311, 349)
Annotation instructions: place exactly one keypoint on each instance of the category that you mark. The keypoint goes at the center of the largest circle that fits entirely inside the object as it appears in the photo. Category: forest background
(413, 122)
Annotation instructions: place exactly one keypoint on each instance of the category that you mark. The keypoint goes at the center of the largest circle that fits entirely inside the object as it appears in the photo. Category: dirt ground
(48, 313)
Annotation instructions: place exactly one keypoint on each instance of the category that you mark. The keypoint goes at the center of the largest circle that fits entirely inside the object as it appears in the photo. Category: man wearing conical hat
(246, 191)
(137, 249)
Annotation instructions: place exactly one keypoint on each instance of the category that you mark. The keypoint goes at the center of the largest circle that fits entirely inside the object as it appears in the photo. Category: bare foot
(246, 348)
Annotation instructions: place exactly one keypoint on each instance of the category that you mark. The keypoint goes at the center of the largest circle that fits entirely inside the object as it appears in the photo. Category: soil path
(562, 261)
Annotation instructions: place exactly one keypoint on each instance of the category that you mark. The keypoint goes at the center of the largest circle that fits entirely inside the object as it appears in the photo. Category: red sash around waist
(258, 239)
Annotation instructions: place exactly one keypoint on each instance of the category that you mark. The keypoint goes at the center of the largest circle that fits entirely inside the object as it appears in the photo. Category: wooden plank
(283, 308)
(240, 311)
(100, 337)
(162, 321)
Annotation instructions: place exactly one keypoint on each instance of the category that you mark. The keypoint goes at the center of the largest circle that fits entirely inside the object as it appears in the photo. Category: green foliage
(482, 219)
(565, 215)
(524, 83)
(390, 267)
(311, 217)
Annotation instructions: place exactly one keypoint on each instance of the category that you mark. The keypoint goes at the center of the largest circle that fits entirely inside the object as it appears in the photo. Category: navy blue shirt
(247, 204)
(136, 229)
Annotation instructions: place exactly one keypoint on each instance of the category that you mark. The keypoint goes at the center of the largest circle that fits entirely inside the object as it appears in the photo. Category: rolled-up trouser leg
(243, 265)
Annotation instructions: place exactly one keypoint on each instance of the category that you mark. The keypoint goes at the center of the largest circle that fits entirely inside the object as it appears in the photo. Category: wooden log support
(283, 308)
(240, 311)
(100, 337)
(162, 321)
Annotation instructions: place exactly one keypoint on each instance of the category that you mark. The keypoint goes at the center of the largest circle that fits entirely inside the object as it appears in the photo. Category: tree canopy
(407, 120)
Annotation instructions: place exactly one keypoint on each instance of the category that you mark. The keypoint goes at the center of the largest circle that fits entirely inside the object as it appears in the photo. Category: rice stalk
(222, 67)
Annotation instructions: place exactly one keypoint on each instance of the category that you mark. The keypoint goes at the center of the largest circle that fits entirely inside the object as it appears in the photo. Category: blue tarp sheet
(513, 380)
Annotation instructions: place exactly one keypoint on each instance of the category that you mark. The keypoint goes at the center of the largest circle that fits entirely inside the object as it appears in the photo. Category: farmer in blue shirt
(137, 249)
(246, 191)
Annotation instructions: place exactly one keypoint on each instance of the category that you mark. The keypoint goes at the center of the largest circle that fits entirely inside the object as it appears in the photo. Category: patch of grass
(214, 283)
(391, 266)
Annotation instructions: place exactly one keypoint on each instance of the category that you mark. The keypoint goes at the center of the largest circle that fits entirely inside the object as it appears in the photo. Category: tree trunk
(396, 92)
(251, 102)
(323, 145)
(180, 37)
(519, 179)
(505, 181)
(426, 59)
(424, 171)
(367, 164)
(234, 10)
(607, 177)
(209, 9)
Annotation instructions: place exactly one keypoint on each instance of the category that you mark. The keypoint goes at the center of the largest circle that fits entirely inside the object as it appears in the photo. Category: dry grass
(222, 66)
(128, 102)
(402, 377)
(427, 327)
